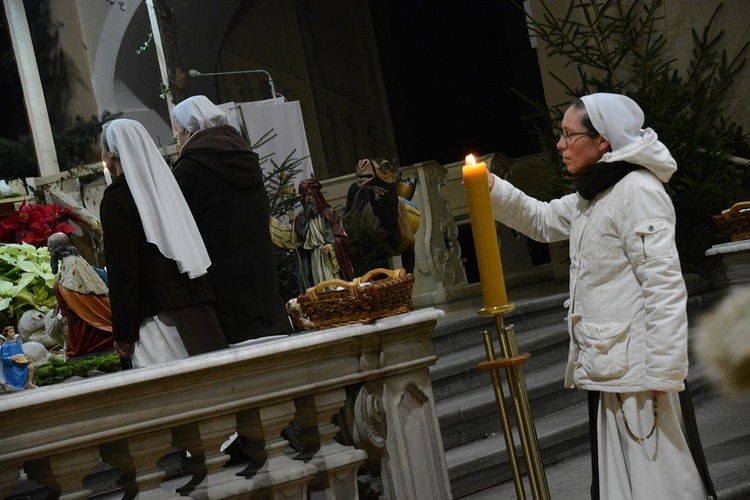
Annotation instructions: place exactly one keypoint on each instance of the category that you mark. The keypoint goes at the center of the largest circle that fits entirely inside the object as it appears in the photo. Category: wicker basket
(735, 221)
(362, 300)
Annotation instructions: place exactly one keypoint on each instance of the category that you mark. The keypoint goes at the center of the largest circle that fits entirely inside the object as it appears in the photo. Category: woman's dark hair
(58, 251)
(585, 120)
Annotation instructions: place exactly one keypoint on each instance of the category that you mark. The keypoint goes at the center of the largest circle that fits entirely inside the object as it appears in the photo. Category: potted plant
(33, 223)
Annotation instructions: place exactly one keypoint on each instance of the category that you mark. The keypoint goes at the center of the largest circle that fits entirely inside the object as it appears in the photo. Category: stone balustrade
(361, 394)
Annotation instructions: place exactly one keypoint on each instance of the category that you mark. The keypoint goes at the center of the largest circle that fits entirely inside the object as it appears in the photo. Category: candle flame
(107, 174)
(470, 160)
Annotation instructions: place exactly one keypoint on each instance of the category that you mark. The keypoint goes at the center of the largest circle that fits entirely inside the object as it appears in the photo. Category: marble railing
(361, 393)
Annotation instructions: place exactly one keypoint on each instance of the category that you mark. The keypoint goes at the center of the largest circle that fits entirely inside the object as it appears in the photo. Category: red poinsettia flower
(33, 223)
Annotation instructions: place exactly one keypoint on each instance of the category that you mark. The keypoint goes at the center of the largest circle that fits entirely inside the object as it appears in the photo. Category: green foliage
(75, 146)
(282, 194)
(17, 158)
(146, 44)
(26, 281)
(282, 198)
(616, 47)
(79, 144)
(57, 370)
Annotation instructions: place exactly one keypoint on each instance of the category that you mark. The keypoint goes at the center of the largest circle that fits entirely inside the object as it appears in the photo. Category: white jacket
(627, 316)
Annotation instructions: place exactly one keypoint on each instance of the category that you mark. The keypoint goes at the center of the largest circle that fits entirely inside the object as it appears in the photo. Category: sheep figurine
(32, 328)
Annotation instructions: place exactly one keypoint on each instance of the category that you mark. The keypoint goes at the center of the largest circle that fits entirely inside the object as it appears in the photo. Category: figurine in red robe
(82, 299)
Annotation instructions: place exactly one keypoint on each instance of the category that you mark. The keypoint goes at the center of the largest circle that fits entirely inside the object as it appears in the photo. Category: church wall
(327, 62)
(680, 17)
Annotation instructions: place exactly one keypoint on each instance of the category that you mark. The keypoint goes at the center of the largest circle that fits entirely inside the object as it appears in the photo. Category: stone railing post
(439, 275)
(272, 472)
(203, 441)
(336, 464)
(9, 475)
(65, 472)
(137, 458)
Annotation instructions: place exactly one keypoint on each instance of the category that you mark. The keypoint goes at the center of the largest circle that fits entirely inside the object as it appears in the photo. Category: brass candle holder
(512, 362)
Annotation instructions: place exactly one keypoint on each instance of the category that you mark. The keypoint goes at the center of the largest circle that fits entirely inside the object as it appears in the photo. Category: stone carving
(450, 229)
(436, 176)
(441, 258)
(370, 425)
(371, 434)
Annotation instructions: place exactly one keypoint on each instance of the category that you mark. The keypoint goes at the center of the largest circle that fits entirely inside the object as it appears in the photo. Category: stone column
(203, 440)
(36, 105)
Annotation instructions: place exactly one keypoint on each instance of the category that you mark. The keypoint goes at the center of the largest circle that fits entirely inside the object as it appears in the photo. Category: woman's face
(107, 158)
(182, 135)
(110, 161)
(582, 147)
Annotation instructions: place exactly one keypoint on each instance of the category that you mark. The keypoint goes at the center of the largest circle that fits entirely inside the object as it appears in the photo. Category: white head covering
(619, 119)
(166, 217)
(198, 112)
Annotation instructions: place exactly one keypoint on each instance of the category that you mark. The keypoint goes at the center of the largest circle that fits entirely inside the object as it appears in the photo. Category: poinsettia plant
(26, 281)
(33, 223)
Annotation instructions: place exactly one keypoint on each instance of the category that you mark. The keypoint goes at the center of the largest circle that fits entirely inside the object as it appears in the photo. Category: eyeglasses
(568, 135)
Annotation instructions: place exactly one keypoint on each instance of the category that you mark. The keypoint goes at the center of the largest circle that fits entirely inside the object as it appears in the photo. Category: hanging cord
(627, 427)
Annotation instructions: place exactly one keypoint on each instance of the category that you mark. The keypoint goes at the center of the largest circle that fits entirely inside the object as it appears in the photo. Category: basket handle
(312, 292)
(395, 273)
(742, 205)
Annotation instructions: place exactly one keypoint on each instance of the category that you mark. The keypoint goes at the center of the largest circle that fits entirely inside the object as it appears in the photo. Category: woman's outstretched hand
(124, 349)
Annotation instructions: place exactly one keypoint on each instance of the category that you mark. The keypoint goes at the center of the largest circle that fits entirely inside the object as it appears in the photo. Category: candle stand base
(496, 311)
(512, 363)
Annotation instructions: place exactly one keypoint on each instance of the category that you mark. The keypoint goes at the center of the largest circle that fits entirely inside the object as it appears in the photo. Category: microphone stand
(195, 73)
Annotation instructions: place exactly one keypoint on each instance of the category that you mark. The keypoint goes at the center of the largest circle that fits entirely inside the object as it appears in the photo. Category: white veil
(166, 217)
(198, 112)
(620, 120)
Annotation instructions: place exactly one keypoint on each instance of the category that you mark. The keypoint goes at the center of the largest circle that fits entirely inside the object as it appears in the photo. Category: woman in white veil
(156, 260)
(627, 316)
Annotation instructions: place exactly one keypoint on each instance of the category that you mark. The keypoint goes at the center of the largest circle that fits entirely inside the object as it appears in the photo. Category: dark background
(449, 68)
